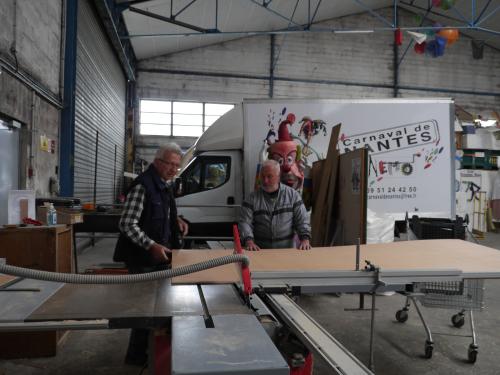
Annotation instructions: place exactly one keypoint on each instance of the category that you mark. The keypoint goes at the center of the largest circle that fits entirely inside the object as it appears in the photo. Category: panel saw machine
(244, 325)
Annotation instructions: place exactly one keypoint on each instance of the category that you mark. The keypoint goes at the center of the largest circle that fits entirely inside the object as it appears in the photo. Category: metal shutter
(100, 99)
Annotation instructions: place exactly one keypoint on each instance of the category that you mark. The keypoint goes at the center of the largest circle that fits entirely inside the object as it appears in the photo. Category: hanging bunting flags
(419, 38)
(398, 36)
(420, 48)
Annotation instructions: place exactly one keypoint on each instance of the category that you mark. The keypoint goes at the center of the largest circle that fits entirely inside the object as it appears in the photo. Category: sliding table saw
(221, 325)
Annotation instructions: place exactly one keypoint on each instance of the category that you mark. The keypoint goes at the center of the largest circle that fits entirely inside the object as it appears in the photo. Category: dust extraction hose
(72, 278)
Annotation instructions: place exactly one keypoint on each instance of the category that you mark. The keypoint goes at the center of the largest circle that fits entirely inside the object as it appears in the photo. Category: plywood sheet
(332, 164)
(427, 255)
(350, 214)
(321, 213)
(316, 173)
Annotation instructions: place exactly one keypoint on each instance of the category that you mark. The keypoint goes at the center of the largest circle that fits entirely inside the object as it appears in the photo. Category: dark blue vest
(155, 220)
(158, 220)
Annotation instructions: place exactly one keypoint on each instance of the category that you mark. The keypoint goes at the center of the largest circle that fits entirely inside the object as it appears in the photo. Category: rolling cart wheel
(402, 316)
(429, 347)
(472, 353)
(458, 320)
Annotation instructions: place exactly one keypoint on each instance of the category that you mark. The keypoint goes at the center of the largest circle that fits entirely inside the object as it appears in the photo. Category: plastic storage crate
(431, 228)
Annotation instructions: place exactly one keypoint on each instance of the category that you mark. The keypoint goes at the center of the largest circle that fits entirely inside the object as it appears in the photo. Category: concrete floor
(399, 347)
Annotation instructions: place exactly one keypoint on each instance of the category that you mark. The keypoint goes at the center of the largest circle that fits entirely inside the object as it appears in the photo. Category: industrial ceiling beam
(373, 13)
(482, 11)
(130, 2)
(183, 9)
(295, 27)
(115, 28)
(462, 17)
(284, 38)
(216, 14)
(314, 14)
(487, 16)
(266, 7)
(170, 20)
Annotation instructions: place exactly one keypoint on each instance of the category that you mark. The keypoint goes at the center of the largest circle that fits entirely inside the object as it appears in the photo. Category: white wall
(36, 33)
(34, 28)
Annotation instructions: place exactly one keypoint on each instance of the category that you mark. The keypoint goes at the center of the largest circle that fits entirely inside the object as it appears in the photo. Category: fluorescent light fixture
(487, 123)
(353, 31)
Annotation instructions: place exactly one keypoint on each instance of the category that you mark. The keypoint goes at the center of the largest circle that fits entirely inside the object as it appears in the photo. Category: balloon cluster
(434, 42)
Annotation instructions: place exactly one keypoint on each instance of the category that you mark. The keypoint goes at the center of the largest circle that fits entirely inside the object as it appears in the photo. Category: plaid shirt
(129, 222)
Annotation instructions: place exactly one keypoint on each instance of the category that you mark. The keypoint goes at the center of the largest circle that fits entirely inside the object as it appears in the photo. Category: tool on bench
(31, 221)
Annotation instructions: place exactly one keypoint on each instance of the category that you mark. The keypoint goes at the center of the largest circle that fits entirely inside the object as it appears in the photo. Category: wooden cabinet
(43, 248)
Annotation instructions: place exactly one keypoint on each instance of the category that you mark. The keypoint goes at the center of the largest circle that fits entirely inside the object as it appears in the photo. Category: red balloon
(420, 48)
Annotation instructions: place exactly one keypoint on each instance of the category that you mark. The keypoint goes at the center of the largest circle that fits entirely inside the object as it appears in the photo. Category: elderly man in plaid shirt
(149, 229)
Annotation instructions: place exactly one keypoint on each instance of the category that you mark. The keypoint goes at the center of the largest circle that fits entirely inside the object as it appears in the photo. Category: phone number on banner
(393, 189)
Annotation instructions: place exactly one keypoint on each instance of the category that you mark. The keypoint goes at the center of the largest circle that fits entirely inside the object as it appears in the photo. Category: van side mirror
(178, 187)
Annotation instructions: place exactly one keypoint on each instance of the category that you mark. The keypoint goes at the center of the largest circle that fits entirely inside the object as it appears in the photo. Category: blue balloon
(435, 47)
(441, 44)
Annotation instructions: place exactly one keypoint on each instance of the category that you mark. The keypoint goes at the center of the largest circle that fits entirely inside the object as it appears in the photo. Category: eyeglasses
(170, 164)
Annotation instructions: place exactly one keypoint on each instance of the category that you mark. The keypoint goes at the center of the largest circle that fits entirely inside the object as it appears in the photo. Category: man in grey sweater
(270, 217)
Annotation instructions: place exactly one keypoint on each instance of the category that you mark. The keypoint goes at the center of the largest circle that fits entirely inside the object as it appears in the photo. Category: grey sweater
(272, 223)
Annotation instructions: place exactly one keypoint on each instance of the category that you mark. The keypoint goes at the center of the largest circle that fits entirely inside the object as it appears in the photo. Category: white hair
(271, 163)
(169, 147)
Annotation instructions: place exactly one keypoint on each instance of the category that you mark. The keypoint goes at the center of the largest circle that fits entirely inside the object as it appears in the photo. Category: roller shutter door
(100, 99)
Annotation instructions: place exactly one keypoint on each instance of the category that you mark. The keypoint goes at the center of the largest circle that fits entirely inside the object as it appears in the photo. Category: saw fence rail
(465, 296)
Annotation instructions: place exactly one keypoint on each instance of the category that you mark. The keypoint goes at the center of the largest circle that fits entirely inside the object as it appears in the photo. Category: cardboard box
(64, 215)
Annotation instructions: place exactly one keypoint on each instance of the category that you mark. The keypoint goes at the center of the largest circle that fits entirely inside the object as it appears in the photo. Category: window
(215, 174)
(206, 173)
(179, 119)
(156, 117)
(193, 178)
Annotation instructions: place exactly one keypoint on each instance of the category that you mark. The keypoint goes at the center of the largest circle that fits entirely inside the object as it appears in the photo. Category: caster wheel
(458, 320)
(429, 348)
(402, 316)
(472, 353)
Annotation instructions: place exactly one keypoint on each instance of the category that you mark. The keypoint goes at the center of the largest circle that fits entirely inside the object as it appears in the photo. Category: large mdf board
(409, 255)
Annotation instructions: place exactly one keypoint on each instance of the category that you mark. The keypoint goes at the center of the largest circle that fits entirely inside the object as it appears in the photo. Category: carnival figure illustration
(287, 153)
(309, 129)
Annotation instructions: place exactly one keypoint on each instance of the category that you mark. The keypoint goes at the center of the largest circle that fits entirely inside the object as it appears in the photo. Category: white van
(410, 143)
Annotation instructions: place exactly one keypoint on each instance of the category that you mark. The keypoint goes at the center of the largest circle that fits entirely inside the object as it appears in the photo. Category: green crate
(488, 159)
